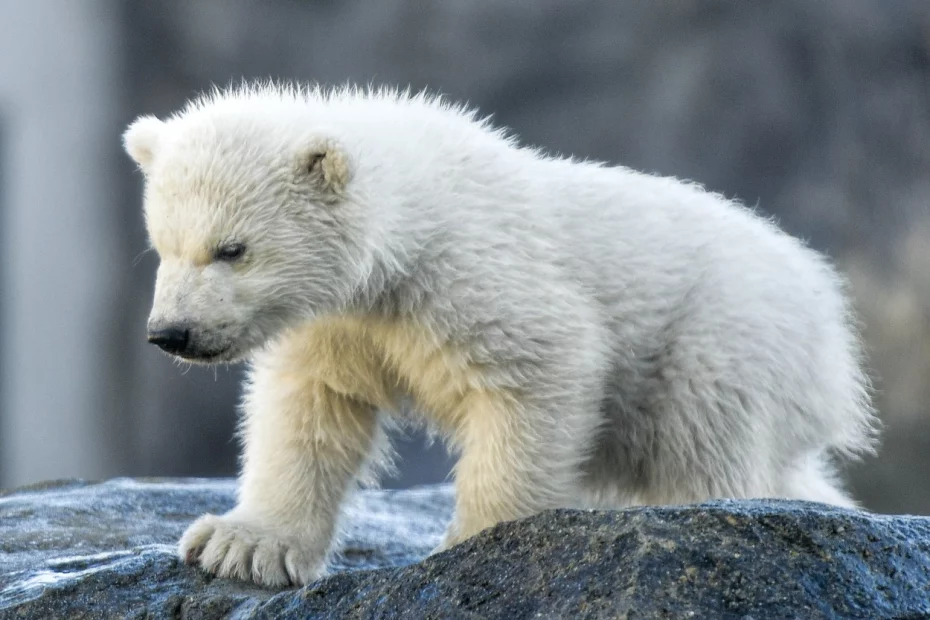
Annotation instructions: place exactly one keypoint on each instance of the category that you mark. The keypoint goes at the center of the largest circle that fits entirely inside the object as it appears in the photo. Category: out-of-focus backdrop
(817, 112)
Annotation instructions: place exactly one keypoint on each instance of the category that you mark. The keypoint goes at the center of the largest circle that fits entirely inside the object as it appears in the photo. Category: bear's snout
(172, 340)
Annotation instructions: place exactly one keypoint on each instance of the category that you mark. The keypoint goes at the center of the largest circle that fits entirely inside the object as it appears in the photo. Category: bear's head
(256, 224)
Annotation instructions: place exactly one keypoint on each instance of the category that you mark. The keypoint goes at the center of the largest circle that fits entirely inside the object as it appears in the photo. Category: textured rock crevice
(104, 550)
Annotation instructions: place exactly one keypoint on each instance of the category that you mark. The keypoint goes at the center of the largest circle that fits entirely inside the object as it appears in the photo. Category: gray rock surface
(83, 550)
(107, 550)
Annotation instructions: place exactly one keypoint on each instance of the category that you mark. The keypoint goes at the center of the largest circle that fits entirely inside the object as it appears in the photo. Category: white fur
(584, 335)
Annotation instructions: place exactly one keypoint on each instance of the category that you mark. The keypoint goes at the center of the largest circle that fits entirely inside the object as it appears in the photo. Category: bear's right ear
(327, 166)
(141, 139)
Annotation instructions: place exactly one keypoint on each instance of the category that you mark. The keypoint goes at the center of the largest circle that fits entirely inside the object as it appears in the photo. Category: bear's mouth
(207, 357)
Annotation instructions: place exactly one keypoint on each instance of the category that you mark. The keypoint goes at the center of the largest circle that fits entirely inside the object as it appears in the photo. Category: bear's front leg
(518, 459)
(303, 446)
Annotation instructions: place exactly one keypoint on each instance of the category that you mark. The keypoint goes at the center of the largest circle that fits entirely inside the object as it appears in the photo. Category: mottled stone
(76, 549)
(105, 550)
(717, 560)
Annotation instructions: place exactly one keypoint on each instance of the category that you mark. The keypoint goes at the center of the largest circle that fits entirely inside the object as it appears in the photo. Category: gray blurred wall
(816, 112)
(63, 408)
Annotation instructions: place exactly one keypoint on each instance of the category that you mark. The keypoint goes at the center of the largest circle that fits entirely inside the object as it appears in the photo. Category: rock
(75, 549)
(105, 550)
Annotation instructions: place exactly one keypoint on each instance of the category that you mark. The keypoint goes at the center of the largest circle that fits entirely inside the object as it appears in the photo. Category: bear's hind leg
(815, 481)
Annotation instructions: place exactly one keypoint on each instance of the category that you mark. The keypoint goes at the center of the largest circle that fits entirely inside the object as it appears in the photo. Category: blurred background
(817, 112)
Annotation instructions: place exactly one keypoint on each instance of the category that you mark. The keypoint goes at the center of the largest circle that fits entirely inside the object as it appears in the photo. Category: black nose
(173, 339)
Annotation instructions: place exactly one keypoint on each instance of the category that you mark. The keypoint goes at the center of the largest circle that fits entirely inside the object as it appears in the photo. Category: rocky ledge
(106, 550)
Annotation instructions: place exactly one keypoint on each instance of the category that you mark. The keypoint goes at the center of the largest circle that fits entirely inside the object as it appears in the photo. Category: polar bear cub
(583, 335)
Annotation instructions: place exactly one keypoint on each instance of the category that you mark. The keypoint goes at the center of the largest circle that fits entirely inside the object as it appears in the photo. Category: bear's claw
(234, 548)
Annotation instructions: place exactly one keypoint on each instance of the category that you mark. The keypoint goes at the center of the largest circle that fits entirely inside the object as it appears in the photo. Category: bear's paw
(234, 548)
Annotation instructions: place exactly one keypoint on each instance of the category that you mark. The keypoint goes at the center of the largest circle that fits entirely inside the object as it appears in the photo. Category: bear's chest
(397, 367)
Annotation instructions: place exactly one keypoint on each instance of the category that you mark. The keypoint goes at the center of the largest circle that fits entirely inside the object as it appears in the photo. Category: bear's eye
(230, 252)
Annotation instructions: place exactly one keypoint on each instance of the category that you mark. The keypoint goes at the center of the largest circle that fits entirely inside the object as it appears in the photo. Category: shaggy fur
(583, 335)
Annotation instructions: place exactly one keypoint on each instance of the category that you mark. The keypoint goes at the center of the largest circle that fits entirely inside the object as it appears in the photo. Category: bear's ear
(141, 139)
(326, 165)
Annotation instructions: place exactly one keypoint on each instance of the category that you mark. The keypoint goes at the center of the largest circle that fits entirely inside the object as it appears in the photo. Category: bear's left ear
(141, 140)
(326, 165)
